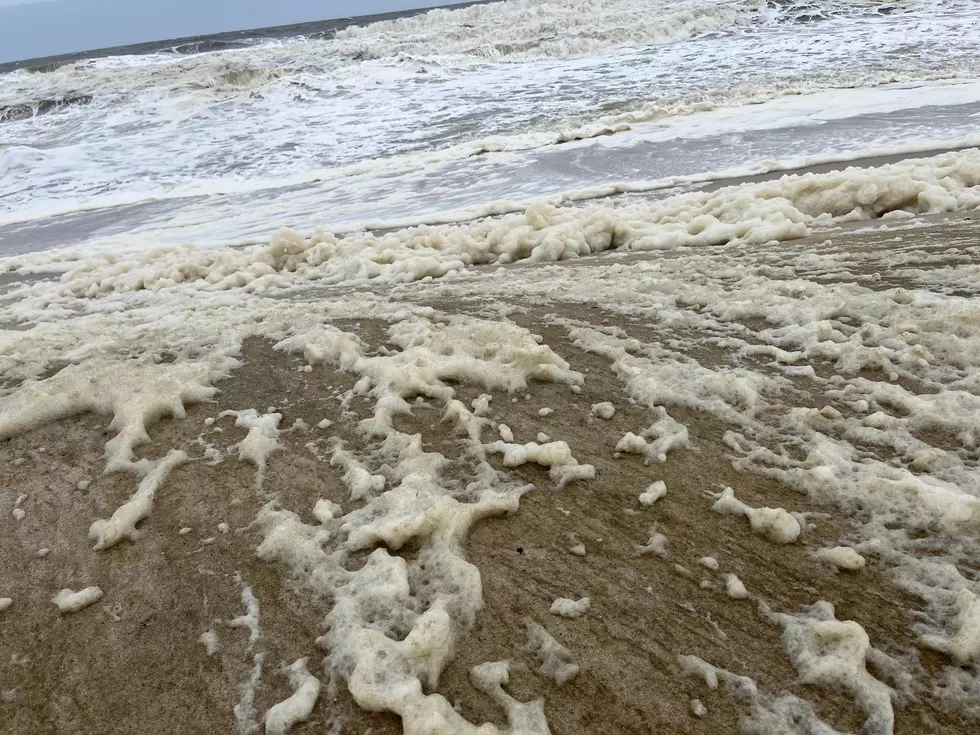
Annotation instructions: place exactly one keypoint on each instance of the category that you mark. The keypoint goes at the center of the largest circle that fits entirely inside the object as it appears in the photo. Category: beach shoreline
(523, 367)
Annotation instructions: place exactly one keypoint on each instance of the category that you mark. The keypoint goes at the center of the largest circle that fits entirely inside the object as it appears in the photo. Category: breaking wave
(48, 67)
(523, 30)
(25, 110)
(19, 157)
(511, 31)
(209, 45)
(235, 78)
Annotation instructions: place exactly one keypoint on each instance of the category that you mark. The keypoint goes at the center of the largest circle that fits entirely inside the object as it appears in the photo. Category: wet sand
(132, 662)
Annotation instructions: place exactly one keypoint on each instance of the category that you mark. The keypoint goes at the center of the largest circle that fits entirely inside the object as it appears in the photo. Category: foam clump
(570, 473)
(481, 404)
(604, 410)
(709, 562)
(661, 437)
(209, 639)
(552, 454)
(842, 557)
(69, 601)
(281, 717)
(361, 483)
(555, 659)
(261, 441)
(250, 620)
(134, 394)
(556, 455)
(656, 544)
(833, 653)
(694, 666)
(568, 608)
(631, 444)
(964, 644)
(734, 587)
(122, 524)
(326, 510)
(776, 524)
(523, 718)
(653, 493)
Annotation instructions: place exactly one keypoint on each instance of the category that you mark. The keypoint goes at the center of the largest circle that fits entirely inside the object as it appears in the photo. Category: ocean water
(459, 112)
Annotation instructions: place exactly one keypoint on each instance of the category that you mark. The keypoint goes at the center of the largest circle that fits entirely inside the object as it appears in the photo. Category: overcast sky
(32, 28)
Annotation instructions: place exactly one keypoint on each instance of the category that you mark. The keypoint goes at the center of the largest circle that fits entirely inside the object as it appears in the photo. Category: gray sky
(32, 28)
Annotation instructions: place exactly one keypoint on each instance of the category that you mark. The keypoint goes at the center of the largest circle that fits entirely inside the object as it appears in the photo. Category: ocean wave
(19, 157)
(797, 11)
(33, 108)
(48, 67)
(523, 30)
(510, 31)
(163, 122)
(208, 45)
(235, 78)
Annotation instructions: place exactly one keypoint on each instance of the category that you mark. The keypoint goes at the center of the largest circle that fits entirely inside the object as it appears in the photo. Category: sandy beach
(133, 661)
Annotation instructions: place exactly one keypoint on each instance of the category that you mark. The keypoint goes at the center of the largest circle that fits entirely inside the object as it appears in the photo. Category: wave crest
(33, 108)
